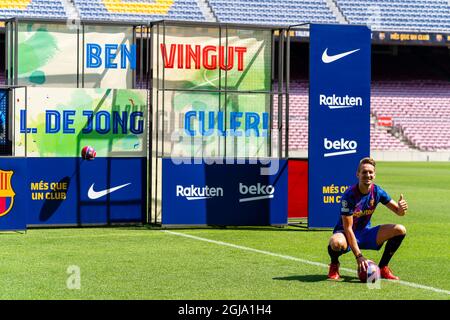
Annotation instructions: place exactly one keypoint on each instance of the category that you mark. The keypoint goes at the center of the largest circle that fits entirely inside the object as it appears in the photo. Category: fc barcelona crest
(6, 192)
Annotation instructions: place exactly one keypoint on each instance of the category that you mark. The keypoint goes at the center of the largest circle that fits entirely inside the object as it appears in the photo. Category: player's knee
(337, 244)
(400, 230)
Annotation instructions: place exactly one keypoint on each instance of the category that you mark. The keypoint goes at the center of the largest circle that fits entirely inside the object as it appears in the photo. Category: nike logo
(328, 59)
(92, 194)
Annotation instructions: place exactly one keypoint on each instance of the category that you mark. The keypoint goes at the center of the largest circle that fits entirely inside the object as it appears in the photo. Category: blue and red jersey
(360, 206)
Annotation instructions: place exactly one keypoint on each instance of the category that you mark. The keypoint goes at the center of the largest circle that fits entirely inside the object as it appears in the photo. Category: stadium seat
(32, 9)
(420, 111)
(142, 11)
(398, 15)
(282, 12)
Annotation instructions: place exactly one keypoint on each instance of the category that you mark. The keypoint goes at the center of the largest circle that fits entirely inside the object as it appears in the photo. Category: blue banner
(71, 191)
(339, 116)
(223, 194)
(13, 202)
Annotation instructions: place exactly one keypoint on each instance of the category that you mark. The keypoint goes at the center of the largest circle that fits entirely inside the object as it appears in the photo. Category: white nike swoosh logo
(92, 194)
(328, 59)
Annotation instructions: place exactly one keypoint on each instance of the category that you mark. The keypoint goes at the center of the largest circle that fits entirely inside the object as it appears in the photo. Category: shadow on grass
(286, 228)
(146, 227)
(316, 278)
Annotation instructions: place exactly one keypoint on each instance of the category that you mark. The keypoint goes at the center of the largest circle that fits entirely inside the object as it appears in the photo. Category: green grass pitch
(147, 263)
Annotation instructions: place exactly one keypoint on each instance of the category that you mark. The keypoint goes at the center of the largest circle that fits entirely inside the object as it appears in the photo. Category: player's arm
(347, 222)
(400, 207)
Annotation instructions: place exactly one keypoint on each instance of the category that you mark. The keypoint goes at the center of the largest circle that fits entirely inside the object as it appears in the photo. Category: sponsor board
(72, 191)
(58, 122)
(339, 116)
(198, 194)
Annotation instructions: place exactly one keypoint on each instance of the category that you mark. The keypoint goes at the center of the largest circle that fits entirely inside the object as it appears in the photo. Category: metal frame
(279, 33)
(11, 63)
(156, 151)
(288, 81)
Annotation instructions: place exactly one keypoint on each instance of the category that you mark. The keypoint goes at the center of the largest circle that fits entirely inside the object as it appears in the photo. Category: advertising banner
(59, 187)
(59, 122)
(73, 191)
(198, 194)
(192, 65)
(339, 116)
(54, 55)
(394, 37)
(411, 38)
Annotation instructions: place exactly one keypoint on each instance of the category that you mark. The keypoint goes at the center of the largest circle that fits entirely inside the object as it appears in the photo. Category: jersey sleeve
(347, 204)
(384, 197)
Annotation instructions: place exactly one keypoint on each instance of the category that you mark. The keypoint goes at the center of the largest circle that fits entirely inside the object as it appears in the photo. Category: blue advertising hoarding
(54, 186)
(71, 191)
(223, 194)
(339, 116)
(82, 192)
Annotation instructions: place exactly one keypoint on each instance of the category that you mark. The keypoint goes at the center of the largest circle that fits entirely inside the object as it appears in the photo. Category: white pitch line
(318, 264)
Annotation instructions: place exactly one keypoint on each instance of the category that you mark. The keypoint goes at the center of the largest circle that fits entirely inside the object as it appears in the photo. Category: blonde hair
(366, 160)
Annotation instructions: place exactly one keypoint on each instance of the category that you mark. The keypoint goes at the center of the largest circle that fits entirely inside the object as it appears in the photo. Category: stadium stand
(380, 138)
(298, 115)
(139, 10)
(398, 15)
(420, 108)
(381, 15)
(420, 111)
(52, 9)
(282, 12)
(385, 15)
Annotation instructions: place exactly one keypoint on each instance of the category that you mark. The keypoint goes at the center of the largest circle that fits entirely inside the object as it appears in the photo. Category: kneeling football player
(353, 230)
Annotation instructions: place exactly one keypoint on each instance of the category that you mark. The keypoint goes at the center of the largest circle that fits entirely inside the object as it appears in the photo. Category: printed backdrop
(54, 55)
(208, 60)
(58, 122)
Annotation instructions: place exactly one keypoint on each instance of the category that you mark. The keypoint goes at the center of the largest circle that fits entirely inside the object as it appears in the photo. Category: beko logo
(339, 147)
(198, 193)
(256, 192)
(337, 102)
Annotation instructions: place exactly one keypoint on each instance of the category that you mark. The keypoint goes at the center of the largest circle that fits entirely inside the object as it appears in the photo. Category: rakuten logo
(339, 147)
(259, 190)
(197, 193)
(337, 102)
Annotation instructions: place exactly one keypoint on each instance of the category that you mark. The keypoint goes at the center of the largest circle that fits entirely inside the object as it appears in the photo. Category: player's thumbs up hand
(402, 205)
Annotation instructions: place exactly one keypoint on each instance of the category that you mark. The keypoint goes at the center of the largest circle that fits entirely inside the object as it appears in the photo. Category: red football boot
(386, 273)
(333, 273)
